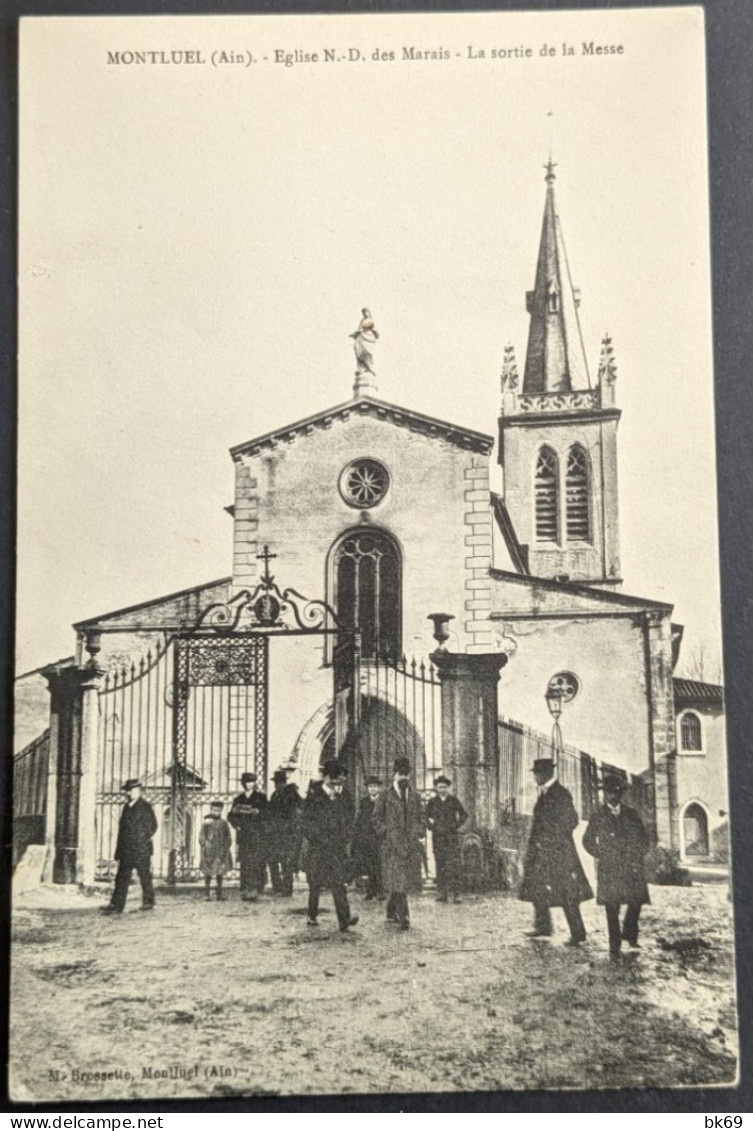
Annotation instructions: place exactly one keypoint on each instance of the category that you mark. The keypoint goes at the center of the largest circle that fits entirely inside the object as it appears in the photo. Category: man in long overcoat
(553, 875)
(444, 816)
(247, 815)
(283, 833)
(133, 849)
(327, 825)
(400, 825)
(617, 838)
(364, 848)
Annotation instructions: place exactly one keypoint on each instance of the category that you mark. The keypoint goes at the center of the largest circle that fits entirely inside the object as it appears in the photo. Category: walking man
(617, 838)
(247, 815)
(552, 872)
(364, 849)
(400, 825)
(444, 817)
(327, 825)
(133, 849)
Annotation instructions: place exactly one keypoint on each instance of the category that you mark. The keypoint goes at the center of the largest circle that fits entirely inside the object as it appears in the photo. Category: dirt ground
(201, 999)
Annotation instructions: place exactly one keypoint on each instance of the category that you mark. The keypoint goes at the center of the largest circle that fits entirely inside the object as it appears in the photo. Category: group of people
(384, 846)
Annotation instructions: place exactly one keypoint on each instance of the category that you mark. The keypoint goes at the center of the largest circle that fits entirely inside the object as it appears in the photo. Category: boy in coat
(553, 875)
(617, 838)
(138, 825)
(215, 842)
(327, 825)
(444, 816)
(364, 849)
(247, 818)
(400, 825)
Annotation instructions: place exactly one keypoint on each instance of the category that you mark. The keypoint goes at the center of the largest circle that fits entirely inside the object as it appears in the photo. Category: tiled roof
(693, 693)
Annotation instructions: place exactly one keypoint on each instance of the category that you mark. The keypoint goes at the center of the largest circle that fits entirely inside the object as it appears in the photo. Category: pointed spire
(509, 377)
(555, 361)
(607, 364)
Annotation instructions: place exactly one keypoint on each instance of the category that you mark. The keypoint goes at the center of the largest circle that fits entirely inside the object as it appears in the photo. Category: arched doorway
(695, 828)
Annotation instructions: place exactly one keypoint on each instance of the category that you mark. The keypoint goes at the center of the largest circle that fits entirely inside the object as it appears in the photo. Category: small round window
(565, 685)
(364, 483)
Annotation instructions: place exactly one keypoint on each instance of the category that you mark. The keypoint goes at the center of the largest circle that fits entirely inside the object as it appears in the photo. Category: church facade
(508, 606)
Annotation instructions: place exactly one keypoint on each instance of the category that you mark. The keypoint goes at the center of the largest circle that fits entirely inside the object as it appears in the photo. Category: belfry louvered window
(577, 507)
(547, 497)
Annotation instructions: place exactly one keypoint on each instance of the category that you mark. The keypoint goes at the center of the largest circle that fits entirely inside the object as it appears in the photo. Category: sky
(197, 241)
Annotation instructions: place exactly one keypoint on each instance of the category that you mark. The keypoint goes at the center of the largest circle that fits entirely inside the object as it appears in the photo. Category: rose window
(364, 483)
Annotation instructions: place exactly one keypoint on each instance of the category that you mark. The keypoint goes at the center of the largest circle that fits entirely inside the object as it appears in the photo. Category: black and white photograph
(369, 697)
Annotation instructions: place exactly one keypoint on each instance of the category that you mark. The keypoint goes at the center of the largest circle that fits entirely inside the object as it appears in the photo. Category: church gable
(365, 406)
(418, 484)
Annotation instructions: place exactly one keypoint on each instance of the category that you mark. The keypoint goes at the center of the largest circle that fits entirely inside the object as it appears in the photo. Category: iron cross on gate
(266, 557)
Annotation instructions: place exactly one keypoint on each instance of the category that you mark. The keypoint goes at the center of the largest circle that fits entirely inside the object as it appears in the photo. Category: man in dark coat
(617, 838)
(327, 825)
(247, 814)
(283, 833)
(553, 875)
(133, 849)
(444, 816)
(400, 825)
(364, 848)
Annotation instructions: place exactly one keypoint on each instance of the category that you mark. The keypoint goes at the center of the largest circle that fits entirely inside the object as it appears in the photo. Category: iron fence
(579, 772)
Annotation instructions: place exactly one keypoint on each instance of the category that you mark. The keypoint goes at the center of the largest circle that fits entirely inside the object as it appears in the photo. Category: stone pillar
(71, 789)
(657, 634)
(86, 849)
(470, 742)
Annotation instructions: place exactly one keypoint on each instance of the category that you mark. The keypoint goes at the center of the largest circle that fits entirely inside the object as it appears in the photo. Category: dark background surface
(729, 29)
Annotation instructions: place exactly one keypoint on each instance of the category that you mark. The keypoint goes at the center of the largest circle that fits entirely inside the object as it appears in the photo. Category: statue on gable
(363, 340)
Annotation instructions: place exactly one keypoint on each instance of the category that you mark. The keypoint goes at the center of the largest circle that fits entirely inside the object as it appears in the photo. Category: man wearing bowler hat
(444, 816)
(617, 838)
(400, 825)
(552, 872)
(133, 849)
(247, 818)
(364, 848)
(327, 825)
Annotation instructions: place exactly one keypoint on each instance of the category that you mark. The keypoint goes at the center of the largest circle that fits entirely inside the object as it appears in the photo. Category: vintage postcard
(370, 729)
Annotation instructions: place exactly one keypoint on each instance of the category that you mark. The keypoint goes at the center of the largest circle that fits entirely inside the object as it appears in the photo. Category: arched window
(690, 732)
(546, 492)
(368, 590)
(577, 509)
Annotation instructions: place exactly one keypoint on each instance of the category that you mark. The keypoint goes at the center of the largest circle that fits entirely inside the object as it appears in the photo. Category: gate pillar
(71, 791)
(470, 741)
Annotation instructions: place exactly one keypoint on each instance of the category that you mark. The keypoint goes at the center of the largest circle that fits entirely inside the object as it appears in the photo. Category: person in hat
(247, 815)
(553, 875)
(133, 849)
(327, 825)
(400, 825)
(444, 817)
(215, 841)
(617, 838)
(283, 833)
(364, 848)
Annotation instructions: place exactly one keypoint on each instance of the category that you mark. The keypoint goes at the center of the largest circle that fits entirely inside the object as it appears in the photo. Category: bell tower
(558, 434)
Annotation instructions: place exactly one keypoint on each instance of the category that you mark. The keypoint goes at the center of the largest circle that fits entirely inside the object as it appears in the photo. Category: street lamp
(554, 699)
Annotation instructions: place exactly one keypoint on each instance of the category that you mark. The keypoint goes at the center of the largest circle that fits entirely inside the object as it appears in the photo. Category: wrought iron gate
(186, 720)
(387, 709)
(191, 715)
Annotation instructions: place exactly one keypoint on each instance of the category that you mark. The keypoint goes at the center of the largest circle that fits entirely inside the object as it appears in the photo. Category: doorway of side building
(695, 830)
